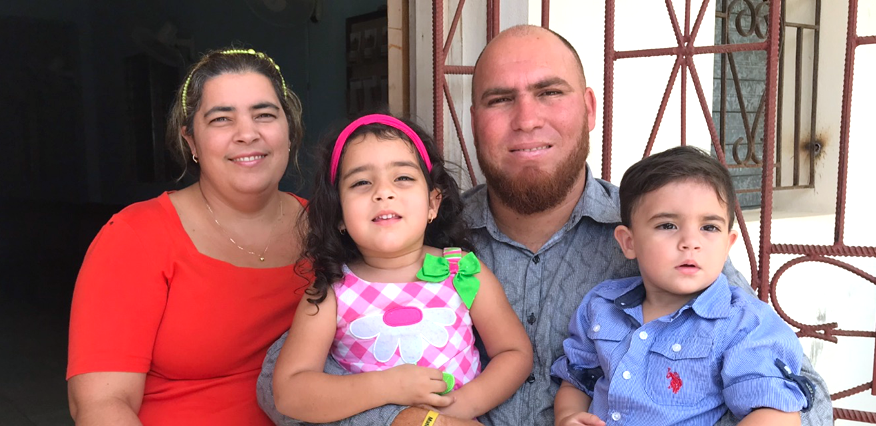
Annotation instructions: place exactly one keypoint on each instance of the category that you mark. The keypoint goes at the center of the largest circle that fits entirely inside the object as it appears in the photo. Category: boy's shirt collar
(712, 303)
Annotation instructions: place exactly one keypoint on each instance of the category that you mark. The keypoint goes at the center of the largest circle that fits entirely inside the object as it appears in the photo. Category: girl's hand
(580, 419)
(412, 385)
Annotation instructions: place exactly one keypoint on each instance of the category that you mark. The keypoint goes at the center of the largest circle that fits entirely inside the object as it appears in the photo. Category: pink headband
(376, 119)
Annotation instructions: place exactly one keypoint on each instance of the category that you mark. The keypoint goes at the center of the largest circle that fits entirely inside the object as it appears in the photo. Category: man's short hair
(683, 163)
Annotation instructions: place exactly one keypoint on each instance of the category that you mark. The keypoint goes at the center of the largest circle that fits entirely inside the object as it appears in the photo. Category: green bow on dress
(437, 269)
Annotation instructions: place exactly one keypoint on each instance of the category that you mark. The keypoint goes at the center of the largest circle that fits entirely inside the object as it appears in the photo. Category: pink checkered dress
(382, 325)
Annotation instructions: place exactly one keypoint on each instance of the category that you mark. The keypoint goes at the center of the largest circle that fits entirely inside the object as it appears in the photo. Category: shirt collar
(715, 301)
(625, 293)
(598, 202)
(712, 303)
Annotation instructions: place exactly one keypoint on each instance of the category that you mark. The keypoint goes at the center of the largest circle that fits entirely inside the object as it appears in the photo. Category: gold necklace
(213, 215)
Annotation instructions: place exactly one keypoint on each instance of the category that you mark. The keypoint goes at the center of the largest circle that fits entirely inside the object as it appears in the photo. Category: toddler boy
(678, 345)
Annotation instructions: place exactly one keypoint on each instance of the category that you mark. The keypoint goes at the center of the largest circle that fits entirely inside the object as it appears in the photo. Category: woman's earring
(343, 231)
(431, 218)
(195, 158)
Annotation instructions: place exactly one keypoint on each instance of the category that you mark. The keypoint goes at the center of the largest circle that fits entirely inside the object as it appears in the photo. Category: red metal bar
(843, 172)
(836, 250)
(490, 34)
(674, 21)
(849, 392)
(437, 72)
(691, 50)
(746, 238)
(854, 415)
(545, 13)
(707, 113)
(458, 69)
(698, 22)
(766, 213)
(686, 20)
(494, 18)
(798, 94)
(685, 62)
(781, 98)
(662, 108)
(608, 85)
(866, 40)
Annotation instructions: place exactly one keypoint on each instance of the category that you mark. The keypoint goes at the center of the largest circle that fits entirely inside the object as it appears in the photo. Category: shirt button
(536, 259)
(596, 328)
(531, 318)
(616, 416)
(643, 335)
(530, 379)
(627, 375)
(676, 347)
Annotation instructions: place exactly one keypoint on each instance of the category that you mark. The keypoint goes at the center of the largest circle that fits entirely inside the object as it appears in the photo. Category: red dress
(147, 301)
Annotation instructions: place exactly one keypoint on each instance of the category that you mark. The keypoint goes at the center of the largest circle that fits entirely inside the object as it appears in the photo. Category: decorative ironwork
(768, 107)
(763, 16)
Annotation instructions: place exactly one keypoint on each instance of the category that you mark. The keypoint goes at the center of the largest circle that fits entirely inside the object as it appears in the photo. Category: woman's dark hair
(328, 250)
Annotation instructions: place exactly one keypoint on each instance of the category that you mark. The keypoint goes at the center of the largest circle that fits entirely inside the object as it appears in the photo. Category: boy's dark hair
(677, 164)
(328, 250)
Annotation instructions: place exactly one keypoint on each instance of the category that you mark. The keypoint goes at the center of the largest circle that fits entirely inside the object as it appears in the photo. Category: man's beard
(532, 190)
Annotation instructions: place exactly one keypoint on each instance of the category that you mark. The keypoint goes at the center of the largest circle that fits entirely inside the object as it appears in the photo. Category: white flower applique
(407, 328)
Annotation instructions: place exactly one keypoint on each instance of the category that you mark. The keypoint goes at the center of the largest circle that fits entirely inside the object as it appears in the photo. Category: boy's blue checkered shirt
(719, 351)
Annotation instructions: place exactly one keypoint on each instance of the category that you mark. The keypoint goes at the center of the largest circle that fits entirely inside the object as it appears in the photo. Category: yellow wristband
(430, 418)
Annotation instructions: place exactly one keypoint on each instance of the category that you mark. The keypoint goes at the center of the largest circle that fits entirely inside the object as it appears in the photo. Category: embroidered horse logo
(674, 380)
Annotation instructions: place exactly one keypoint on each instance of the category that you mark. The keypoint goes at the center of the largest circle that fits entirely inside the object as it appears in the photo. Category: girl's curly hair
(328, 250)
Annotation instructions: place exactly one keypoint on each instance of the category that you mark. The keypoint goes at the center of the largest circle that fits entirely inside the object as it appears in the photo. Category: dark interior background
(84, 88)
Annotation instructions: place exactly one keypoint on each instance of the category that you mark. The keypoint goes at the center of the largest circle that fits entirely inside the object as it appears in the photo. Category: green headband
(233, 52)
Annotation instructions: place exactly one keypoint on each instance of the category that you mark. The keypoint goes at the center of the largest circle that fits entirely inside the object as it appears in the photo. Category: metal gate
(683, 51)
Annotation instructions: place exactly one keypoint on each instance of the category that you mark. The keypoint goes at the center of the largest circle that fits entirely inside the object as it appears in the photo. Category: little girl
(394, 297)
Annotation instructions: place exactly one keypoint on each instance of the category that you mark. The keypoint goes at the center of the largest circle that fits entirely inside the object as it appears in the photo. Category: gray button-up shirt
(545, 289)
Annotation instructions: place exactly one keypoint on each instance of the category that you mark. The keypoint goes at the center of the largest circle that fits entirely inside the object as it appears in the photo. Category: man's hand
(459, 408)
(580, 419)
(413, 385)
